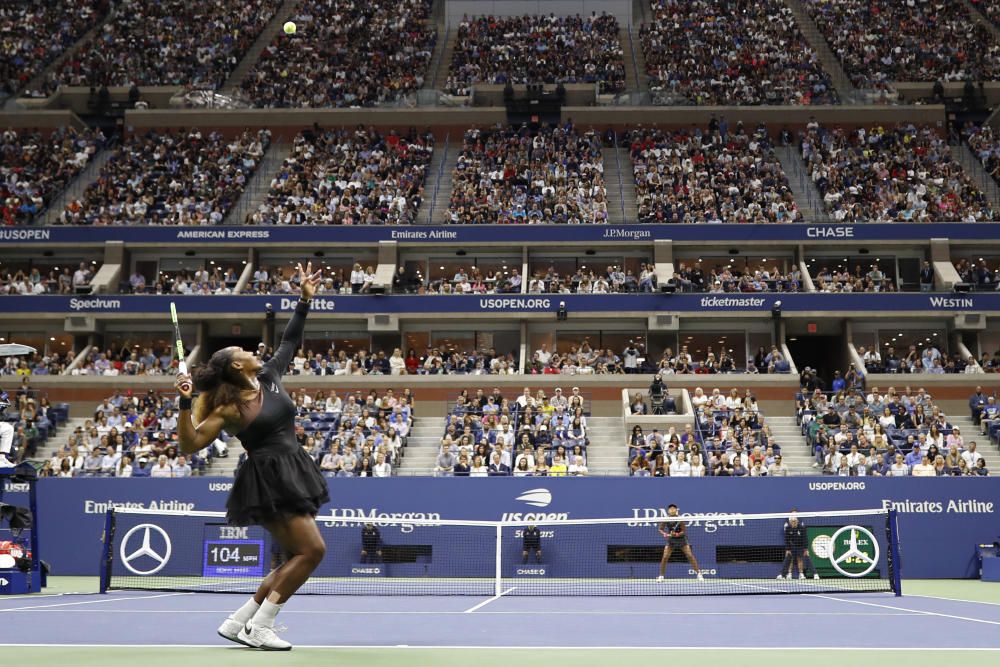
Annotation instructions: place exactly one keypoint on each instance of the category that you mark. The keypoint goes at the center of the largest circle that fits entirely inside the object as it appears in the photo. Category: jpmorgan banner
(940, 520)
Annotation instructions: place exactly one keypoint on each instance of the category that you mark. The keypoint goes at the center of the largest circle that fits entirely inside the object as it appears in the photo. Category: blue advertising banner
(941, 520)
(506, 234)
(510, 303)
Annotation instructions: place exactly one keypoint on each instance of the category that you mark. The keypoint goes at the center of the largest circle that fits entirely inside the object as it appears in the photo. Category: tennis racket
(181, 364)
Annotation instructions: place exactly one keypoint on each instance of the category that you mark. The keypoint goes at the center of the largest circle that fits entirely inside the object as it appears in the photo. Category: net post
(498, 581)
(897, 580)
(107, 550)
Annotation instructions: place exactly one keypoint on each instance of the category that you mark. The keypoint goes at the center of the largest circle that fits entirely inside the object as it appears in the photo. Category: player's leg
(663, 562)
(301, 539)
(809, 567)
(538, 555)
(524, 557)
(691, 559)
(230, 628)
(786, 565)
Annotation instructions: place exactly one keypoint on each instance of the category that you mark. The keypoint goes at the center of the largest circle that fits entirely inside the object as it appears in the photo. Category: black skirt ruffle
(275, 486)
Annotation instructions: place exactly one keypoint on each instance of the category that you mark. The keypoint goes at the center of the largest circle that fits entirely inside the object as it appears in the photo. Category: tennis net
(844, 551)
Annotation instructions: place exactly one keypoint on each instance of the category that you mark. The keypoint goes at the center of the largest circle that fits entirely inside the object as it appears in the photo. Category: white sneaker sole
(246, 642)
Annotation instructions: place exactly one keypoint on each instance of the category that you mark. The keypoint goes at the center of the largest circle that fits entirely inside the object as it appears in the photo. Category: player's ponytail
(216, 382)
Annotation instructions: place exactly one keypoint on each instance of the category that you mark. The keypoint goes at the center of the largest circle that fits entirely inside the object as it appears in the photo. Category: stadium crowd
(900, 174)
(533, 49)
(881, 41)
(984, 144)
(730, 278)
(915, 360)
(199, 281)
(721, 174)
(128, 361)
(854, 432)
(54, 27)
(167, 43)
(874, 280)
(471, 281)
(490, 435)
(349, 177)
(716, 52)
(182, 177)
(434, 361)
(613, 280)
(729, 438)
(978, 273)
(40, 363)
(345, 54)
(30, 414)
(516, 175)
(34, 168)
(21, 280)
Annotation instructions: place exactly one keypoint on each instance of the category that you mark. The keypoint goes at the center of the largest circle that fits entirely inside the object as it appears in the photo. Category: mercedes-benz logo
(145, 549)
(854, 554)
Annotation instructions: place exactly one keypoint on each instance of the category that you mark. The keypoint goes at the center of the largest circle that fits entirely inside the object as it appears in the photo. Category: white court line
(918, 611)
(110, 599)
(404, 647)
(938, 597)
(493, 613)
(492, 599)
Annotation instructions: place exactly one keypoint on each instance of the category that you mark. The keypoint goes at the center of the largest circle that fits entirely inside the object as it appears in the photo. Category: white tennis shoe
(660, 578)
(260, 637)
(700, 578)
(802, 575)
(230, 629)
(816, 576)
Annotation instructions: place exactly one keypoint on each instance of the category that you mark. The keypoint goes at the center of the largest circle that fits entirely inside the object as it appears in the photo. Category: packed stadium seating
(732, 278)
(491, 435)
(858, 432)
(180, 177)
(511, 175)
(344, 177)
(171, 42)
(715, 52)
(984, 144)
(719, 175)
(54, 27)
(347, 54)
(882, 41)
(530, 49)
(899, 174)
(36, 167)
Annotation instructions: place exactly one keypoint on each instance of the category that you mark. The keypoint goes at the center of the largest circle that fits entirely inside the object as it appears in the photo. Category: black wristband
(303, 305)
(185, 402)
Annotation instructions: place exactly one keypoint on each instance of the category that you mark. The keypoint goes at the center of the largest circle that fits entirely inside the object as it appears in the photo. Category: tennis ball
(289, 27)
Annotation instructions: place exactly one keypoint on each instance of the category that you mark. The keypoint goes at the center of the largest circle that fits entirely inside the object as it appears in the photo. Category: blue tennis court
(850, 620)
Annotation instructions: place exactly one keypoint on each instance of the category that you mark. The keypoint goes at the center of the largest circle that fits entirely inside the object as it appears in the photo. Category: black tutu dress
(278, 479)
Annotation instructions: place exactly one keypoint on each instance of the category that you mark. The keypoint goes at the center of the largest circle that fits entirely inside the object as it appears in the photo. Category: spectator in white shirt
(124, 467)
(778, 468)
(971, 456)
(924, 468)
(382, 469)
(577, 468)
(899, 467)
(162, 468)
(110, 461)
(758, 469)
(181, 468)
(680, 467)
(697, 466)
(479, 468)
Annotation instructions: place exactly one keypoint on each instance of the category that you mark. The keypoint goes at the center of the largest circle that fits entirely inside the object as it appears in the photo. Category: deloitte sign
(848, 551)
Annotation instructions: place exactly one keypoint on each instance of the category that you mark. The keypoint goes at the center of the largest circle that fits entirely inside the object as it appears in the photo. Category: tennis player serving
(279, 487)
(675, 532)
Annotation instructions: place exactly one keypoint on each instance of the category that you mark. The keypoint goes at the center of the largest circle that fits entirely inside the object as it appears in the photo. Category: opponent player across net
(675, 532)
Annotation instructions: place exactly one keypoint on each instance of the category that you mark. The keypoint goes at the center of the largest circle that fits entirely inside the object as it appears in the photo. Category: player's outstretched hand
(184, 385)
(308, 280)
